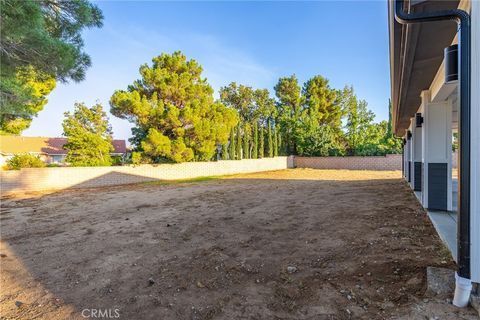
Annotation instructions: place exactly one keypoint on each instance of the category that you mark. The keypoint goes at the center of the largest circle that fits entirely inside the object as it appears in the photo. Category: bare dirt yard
(291, 244)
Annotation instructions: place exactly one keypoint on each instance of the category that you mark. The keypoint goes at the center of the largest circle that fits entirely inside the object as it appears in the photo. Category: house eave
(416, 53)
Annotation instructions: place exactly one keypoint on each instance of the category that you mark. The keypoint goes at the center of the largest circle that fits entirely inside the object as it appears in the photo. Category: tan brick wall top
(389, 162)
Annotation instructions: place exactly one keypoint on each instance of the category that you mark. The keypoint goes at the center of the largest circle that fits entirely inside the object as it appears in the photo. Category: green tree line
(177, 119)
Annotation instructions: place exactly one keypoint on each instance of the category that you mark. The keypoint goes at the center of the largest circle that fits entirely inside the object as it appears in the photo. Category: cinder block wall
(389, 162)
(42, 179)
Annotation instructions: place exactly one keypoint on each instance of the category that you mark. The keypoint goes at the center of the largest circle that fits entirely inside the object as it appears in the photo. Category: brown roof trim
(45, 145)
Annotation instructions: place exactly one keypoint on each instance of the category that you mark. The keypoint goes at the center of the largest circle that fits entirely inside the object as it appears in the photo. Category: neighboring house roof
(416, 53)
(47, 145)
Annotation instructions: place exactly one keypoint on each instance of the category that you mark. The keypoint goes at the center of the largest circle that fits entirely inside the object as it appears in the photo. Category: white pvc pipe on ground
(463, 289)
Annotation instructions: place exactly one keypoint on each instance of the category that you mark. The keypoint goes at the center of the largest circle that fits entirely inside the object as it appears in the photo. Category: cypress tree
(279, 143)
(245, 142)
(275, 142)
(255, 141)
(224, 152)
(277, 138)
(261, 146)
(232, 144)
(239, 143)
(270, 140)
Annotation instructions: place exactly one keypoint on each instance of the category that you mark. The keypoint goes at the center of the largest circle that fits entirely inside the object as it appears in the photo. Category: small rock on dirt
(440, 281)
(18, 304)
(291, 269)
(415, 281)
(151, 282)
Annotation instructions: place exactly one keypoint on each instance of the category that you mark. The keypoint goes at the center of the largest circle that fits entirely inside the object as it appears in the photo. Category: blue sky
(252, 43)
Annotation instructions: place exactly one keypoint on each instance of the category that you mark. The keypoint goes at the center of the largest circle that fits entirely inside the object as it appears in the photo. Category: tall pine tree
(289, 95)
(41, 43)
(174, 111)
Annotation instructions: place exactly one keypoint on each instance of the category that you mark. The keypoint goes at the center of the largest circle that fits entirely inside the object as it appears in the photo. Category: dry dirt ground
(292, 244)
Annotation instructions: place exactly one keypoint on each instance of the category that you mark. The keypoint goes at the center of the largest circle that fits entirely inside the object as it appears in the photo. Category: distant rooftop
(46, 145)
